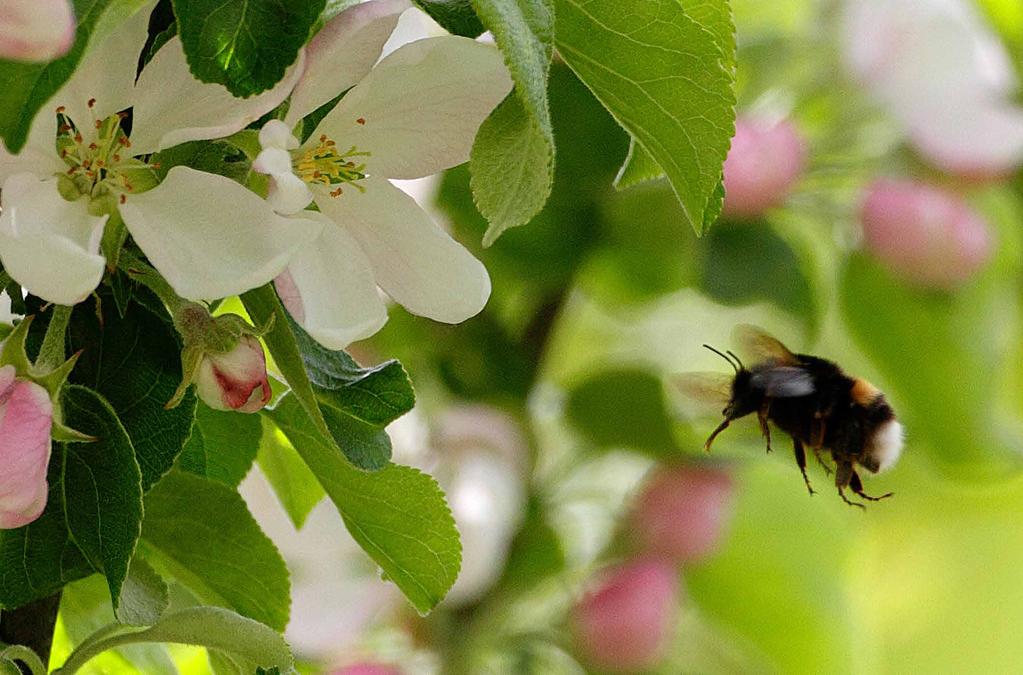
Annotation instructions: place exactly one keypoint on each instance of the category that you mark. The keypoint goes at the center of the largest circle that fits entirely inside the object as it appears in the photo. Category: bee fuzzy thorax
(886, 445)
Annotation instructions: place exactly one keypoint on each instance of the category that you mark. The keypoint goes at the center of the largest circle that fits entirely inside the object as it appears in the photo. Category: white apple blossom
(944, 75)
(209, 236)
(414, 113)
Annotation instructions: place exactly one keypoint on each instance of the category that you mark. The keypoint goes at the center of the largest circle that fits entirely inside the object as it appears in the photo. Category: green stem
(52, 353)
(26, 656)
(139, 270)
(93, 647)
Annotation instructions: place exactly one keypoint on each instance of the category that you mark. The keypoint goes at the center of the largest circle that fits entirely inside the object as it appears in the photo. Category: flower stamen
(324, 165)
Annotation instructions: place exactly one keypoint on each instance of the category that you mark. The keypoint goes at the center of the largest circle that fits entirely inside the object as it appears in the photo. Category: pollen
(324, 165)
(361, 120)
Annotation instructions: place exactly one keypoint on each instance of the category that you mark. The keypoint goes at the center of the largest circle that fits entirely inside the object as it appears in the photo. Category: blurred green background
(607, 295)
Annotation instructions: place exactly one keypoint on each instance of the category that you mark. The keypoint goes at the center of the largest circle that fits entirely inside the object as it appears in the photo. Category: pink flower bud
(36, 30)
(764, 162)
(626, 622)
(235, 380)
(26, 415)
(367, 669)
(681, 512)
(925, 234)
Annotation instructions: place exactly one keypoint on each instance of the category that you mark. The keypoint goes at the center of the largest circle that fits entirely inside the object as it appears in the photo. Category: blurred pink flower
(26, 415)
(943, 73)
(764, 162)
(926, 234)
(626, 622)
(367, 669)
(235, 380)
(36, 30)
(681, 512)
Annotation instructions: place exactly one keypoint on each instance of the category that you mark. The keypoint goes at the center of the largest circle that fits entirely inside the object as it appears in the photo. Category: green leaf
(102, 487)
(356, 403)
(748, 262)
(85, 608)
(202, 533)
(639, 167)
(144, 596)
(263, 306)
(919, 339)
(294, 484)
(623, 408)
(249, 643)
(245, 45)
(28, 86)
(512, 159)
(665, 79)
(397, 515)
(134, 362)
(222, 446)
(377, 395)
(219, 157)
(454, 16)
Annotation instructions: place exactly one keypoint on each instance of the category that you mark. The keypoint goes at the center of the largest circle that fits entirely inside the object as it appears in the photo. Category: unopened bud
(681, 513)
(36, 30)
(923, 233)
(235, 380)
(26, 418)
(626, 622)
(763, 163)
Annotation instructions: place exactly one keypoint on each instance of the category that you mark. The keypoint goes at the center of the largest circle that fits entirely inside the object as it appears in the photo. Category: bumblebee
(818, 405)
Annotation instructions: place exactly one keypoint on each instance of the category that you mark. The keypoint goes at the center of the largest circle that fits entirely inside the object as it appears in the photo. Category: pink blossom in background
(939, 69)
(235, 380)
(26, 415)
(367, 669)
(923, 233)
(626, 622)
(681, 512)
(36, 30)
(764, 162)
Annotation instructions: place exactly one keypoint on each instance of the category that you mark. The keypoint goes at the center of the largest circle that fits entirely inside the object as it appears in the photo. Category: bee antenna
(722, 355)
(732, 354)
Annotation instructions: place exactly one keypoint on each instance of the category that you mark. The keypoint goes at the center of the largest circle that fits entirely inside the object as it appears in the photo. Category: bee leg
(817, 431)
(820, 460)
(843, 476)
(721, 427)
(801, 461)
(857, 487)
(764, 428)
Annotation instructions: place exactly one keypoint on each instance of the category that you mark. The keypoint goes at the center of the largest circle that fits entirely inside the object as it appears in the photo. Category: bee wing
(783, 381)
(710, 388)
(761, 347)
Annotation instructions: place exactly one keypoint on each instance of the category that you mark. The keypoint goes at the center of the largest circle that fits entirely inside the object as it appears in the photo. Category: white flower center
(98, 158)
(324, 165)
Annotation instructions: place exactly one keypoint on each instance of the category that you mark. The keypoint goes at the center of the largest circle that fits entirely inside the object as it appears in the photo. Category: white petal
(288, 194)
(172, 107)
(421, 106)
(342, 53)
(209, 236)
(277, 134)
(970, 137)
(106, 73)
(39, 154)
(36, 30)
(273, 161)
(48, 244)
(337, 300)
(414, 260)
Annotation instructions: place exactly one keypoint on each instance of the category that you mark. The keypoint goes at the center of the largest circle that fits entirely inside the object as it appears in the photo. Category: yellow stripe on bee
(863, 392)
